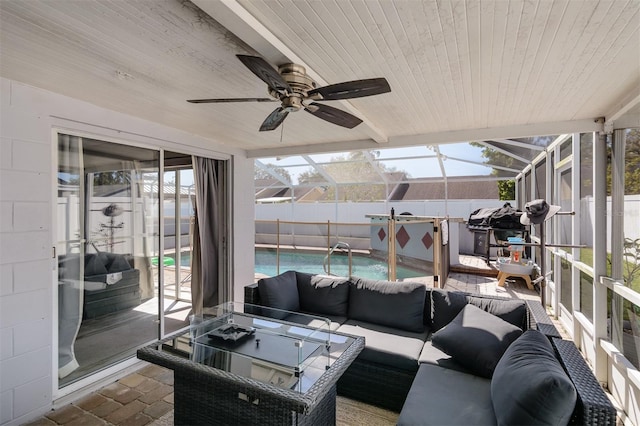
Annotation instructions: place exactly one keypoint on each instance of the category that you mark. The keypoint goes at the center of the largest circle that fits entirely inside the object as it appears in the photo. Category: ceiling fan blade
(352, 89)
(265, 72)
(274, 119)
(333, 115)
(227, 100)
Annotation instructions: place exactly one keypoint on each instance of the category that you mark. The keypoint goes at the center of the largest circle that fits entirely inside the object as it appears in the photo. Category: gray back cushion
(94, 264)
(323, 295)
(280, 292)
(446, 305)
(394, 304)
(529, 386)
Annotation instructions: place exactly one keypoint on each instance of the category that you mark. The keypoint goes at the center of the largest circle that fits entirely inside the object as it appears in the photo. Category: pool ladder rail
(338, 246)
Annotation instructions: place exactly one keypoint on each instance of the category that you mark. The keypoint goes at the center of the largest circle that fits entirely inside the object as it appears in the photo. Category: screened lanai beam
(376, 168)
(275, 175)
(519, 144)
(408, 157)
(506, 169)
(505, 152)
(317, 167)
(375, 165)
(441, 159)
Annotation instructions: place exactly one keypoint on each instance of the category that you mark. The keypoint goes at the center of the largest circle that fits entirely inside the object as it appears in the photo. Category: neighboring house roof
(480, 189)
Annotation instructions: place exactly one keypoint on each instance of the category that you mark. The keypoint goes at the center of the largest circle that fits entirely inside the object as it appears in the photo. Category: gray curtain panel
(205, 282)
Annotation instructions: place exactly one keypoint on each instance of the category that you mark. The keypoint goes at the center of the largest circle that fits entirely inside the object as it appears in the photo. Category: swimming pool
(311, 262)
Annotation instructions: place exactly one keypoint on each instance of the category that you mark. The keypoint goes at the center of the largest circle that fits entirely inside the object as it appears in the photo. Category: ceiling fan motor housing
(296, 76)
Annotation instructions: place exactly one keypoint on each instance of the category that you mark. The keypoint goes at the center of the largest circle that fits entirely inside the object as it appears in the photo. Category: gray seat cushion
(529, 386)
(394, 304)
(476, 339)
(387, 346)
(334, 321)
(440, 396)
(434, 356)
(323, 295)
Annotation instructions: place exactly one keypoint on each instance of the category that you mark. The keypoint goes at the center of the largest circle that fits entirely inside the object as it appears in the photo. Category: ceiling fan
(295, 90)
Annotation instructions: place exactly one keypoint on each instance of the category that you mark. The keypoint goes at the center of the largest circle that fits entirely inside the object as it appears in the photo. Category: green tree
(114, 177)
(262, 174)
(507, 189)
(632, 163)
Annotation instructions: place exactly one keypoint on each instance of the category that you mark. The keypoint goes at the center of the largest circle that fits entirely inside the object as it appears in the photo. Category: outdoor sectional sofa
(442, 357)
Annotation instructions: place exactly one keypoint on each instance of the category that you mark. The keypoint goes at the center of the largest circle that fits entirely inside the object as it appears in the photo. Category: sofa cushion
(323, 295)
(387, 346)
(445, 305)
(434, 356)
(94, 264)
(530, 386)
(315, 321)
(280, 292)
(393, 304)
(117, 263)
(476, 339)
(440, 396)
(512, 311)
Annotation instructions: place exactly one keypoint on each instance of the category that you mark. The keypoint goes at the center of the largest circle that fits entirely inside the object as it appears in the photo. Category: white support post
(617, 232)
(575, 235)
(600, 253)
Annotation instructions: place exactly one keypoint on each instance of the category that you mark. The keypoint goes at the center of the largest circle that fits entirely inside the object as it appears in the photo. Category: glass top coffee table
(247, 364)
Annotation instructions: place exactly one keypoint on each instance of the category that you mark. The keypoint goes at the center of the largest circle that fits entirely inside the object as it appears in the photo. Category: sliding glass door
(126, 228)
(108, 217)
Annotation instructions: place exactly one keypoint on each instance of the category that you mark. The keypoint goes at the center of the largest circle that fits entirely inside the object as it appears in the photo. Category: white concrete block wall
(28, 117)
(26, 310)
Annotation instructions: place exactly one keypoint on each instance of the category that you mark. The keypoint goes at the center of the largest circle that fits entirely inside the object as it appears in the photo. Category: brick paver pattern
(135, 400)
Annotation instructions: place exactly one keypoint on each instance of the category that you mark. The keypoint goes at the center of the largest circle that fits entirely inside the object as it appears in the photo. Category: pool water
(362, 266)
(311, 262)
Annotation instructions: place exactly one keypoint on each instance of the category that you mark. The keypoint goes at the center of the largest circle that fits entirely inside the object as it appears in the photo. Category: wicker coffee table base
(198, 405)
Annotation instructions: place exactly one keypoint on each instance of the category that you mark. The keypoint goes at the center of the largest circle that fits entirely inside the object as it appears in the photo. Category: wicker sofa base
(376, 385)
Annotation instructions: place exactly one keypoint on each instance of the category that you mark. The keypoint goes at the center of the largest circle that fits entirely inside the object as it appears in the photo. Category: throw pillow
(94, 265)
(393, 304)
(529, 385)
(118, 264)
(512, 311)
(476, 339)
(324, 295)
(280, 292)
(445, 305)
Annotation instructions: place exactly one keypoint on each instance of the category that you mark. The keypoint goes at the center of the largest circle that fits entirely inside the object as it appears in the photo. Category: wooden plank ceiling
(459, 70)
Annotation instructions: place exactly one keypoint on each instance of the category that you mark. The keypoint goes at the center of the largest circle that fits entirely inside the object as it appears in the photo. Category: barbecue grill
(501, 223)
